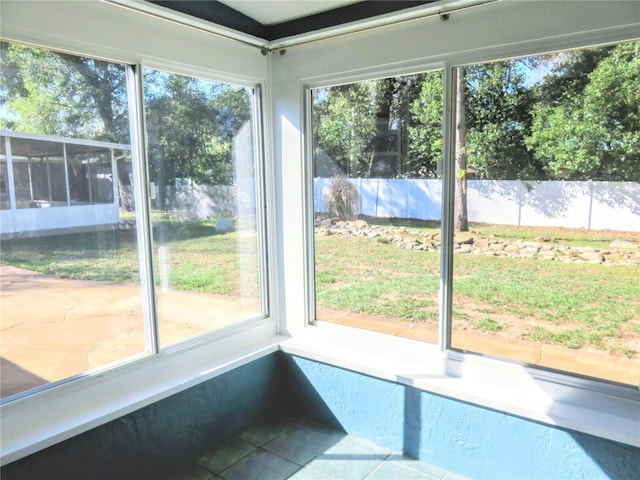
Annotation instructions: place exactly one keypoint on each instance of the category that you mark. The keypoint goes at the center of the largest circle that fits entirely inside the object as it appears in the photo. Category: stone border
(618, 252)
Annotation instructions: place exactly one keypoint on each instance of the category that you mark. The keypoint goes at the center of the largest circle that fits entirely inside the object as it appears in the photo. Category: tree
(343, 125)
(191, 125)
(425, 132)
(461, 218)
(56, 94)
(591, 129)
(498, 114)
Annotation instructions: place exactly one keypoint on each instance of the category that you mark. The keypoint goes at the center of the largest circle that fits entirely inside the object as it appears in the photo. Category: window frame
(546, 395)
(83, 401)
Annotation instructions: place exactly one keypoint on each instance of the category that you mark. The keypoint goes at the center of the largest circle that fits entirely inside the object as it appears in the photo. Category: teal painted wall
(470, 440)
(473, 441)
(159, 439)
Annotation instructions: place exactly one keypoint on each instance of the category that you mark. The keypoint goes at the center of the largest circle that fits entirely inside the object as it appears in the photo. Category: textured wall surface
(157, 439)
(460, 437)
(473, 441)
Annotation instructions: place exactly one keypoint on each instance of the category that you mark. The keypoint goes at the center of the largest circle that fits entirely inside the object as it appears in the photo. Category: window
(377, 203)
(79, 245)
(202, 172)
(71, 301)
(546, 272)
(546, 232)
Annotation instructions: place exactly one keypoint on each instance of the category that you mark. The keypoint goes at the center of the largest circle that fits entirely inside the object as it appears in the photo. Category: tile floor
(304, 450)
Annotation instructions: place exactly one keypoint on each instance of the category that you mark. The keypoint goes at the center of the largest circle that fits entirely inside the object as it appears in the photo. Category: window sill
(589, 406)
(37, 421)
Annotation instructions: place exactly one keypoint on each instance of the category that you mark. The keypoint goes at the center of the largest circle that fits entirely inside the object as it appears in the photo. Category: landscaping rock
(589, 256)
(620, 251)
(463, 238)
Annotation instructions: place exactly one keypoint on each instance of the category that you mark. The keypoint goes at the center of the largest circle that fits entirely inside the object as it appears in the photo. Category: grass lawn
(572, 304)
(188, 256)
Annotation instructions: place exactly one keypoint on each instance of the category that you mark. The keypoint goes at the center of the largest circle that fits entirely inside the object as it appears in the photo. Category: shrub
(343, 199)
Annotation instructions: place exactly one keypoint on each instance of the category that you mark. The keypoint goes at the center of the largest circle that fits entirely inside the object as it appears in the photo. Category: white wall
(590, 205)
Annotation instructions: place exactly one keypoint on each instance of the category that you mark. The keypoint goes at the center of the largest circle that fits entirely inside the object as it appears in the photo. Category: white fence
(590, 205)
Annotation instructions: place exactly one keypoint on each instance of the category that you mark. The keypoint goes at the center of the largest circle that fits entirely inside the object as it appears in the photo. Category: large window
(202, 172)
(107, 255)
(547, 169)
(544, 226)
(377, 147)
(71, 301)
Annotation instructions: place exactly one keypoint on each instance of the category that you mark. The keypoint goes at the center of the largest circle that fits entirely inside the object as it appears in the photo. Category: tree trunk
(461, 221)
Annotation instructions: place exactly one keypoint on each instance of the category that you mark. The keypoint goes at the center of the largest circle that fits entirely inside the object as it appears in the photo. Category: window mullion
(448, 189)
(259, 191)
(143, 218)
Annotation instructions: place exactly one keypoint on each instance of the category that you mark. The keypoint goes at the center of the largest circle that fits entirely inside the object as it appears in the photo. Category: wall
(158, 439)
(460, 437)
(590, 205)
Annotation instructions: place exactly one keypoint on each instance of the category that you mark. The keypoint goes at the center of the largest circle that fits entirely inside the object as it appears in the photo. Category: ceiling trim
(218, 13)
(221, 14)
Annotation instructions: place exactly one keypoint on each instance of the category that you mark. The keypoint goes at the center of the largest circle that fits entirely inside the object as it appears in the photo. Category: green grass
(191, 255)
(571, 304)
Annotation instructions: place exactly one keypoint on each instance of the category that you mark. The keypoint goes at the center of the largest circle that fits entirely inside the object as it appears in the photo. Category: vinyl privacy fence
(590, 204)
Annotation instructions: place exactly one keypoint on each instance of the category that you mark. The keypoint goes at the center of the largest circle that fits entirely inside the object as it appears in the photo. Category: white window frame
(63, 411)
(553, 397)
(73, 405)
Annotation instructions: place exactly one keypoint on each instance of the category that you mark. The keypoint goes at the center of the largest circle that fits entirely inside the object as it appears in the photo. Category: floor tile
(307, 474)
(367, 446)
(345, 462)
(265, 432)
(395, 471)
(260, 465)
(300, 445)
(195, 473)
(431, 471)
(228, 454)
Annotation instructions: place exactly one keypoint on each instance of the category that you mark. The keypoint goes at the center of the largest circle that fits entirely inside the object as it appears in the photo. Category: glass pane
(90, 174)
(4, 178)
(71, 300)
(377, 202)
(38, 172)
(546, 268)
(202, 173)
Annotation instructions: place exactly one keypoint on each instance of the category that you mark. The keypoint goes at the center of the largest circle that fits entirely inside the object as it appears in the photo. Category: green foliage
(425, 133)
(498, 120)
(343, 124)
(56, 94)
(593, 130)
(191, 125)
(487, 324)
(343, 199)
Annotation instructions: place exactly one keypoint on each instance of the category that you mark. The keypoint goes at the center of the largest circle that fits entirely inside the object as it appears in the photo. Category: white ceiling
(271, 12)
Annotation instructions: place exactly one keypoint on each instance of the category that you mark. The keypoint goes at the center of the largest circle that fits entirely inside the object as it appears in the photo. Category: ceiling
(276, 19)
(273, 12)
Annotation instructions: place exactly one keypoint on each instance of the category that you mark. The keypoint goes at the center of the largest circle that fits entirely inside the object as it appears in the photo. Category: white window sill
(37, 421)
(588, 406)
